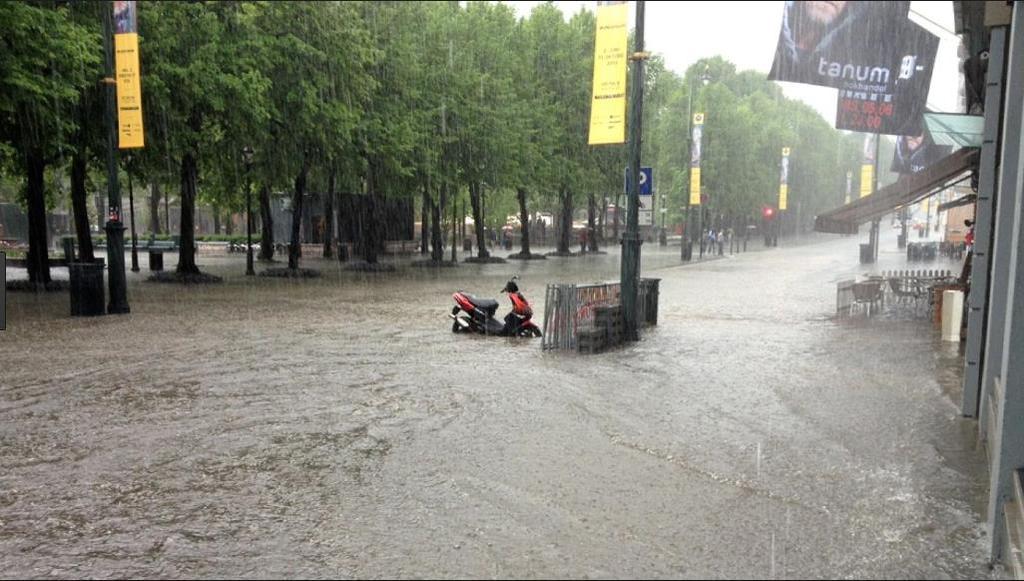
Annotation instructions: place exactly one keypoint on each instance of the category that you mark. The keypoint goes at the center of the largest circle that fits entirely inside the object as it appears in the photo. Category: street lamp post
(630, 267)
(687, 243)
(247, 153)
(131, 209)
(115, 226)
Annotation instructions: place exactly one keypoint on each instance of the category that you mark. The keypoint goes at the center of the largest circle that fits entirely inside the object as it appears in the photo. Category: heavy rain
(249, 331)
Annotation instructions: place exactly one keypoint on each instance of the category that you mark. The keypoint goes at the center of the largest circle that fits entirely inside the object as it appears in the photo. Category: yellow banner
(924, 205)
(867, 175)
(608, 106)
(783, 196)
(129, 91)
(695, 186)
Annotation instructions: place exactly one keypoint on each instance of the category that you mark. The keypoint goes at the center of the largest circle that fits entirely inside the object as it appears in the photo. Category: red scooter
(477, 315)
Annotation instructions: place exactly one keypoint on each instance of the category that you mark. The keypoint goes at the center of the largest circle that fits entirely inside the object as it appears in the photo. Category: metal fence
(569, 309)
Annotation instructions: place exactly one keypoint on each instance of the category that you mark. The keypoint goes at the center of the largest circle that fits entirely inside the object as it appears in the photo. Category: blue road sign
(646, 181)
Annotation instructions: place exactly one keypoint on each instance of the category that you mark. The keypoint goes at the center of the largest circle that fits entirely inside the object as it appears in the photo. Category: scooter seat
(486, 305)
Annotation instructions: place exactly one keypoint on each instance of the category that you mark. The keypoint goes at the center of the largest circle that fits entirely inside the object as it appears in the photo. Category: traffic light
(768, 212)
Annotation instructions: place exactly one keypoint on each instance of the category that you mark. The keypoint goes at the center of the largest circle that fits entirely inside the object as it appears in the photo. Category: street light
(247, 153)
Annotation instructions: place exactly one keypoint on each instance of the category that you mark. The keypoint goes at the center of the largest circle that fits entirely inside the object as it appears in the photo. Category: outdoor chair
(908, 290)
(868, 296)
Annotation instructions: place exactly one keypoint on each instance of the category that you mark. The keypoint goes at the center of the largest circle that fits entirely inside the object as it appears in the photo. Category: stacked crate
(609, 318)
(592, 340)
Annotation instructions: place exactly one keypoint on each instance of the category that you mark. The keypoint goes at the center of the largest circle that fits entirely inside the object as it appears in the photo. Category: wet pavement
(337, 428)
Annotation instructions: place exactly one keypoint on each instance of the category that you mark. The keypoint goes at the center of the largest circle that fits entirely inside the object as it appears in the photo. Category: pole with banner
(130, 134)
(608, 104)
(784, 180)
(783, 188)
(122, 15)
(697, 134)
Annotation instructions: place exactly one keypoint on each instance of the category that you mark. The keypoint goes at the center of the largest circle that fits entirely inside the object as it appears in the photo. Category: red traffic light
(768, 212)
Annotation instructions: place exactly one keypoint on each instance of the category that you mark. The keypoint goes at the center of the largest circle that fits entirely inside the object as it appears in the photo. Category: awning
(968, 199)
(908, 190)
(955, 130)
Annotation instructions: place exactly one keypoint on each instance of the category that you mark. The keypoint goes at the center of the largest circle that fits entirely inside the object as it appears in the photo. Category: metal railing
(570, 308)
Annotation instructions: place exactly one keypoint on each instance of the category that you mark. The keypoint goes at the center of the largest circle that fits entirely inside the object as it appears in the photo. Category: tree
(318, 56)
(47, 62)
(197, 76)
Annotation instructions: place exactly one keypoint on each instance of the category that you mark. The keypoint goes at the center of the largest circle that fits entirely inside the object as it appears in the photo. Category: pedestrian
(721, 242)
(583, 242)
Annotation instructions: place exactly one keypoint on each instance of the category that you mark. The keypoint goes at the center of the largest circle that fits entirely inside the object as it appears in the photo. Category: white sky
(745, 33)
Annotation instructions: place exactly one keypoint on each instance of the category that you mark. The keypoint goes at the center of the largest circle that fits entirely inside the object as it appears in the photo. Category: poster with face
(832, 43)
(915, 153)
(124, 16)
(880, 61)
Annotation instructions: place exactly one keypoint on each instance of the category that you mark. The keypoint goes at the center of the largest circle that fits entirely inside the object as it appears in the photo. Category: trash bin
(69, 249)
(87, 296)
(952, 314)
(156, 260)
(866, 255)
(649, 304)
(663, 238)
(343, 253)
(467, 245)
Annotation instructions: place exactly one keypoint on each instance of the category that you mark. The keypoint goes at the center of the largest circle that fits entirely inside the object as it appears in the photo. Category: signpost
(646, 181)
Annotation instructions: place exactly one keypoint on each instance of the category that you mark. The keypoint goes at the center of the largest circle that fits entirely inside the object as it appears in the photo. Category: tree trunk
(615, 223)
(79, 201)
(478, 220)
(371, 229)
(436, 236)
(591, 223)
(425, 212)
(524, 222)
(295, 248)
(267, 218)
(216, 220)
(187, 253)
(38, 257)
(601, 233)
(154, 208)
(329, 216)
(565, 235)
(229, 224)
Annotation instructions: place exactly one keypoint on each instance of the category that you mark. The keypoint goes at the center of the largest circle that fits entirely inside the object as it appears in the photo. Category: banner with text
(896, 107)
(867, 168)
(880, 61)
(129, 87)
(698, 132)
(784, 179)
(608, 105)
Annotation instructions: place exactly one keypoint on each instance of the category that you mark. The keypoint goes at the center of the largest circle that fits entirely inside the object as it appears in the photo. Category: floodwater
(337, 428)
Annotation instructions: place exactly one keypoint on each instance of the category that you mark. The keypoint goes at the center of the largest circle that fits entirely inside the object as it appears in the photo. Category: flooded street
(337, 428)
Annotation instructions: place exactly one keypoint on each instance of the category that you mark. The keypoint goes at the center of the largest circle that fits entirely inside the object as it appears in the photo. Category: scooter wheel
(456, 327)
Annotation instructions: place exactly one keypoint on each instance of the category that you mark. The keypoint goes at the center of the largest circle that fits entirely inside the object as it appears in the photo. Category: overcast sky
(745, 33)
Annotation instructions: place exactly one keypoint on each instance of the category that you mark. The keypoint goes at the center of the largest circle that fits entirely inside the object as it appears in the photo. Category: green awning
(955, 130)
